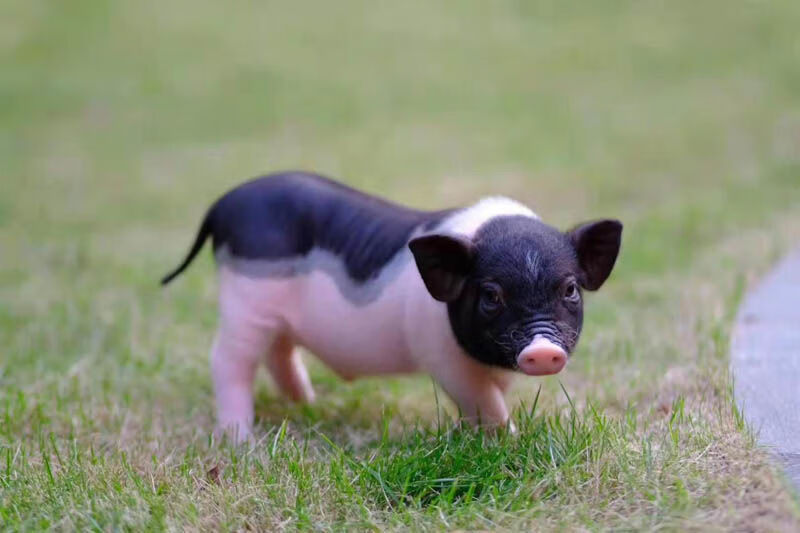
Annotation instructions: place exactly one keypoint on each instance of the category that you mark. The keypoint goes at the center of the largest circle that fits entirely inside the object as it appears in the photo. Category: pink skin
(542, 358)
(404, 330)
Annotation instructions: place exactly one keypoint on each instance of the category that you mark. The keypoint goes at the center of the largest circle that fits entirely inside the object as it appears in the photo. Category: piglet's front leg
(476, 393)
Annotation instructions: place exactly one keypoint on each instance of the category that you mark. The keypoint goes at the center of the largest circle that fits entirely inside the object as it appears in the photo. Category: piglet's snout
(542, 358)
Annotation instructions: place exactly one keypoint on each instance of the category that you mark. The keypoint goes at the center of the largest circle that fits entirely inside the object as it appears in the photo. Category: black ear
(597, 244)
(444, 263)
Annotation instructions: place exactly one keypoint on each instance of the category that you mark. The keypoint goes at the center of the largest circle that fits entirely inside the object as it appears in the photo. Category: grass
(120, 122)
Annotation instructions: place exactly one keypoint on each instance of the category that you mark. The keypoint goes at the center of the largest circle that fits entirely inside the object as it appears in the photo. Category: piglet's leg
(237, 349)
(478, 396)
(288, 371)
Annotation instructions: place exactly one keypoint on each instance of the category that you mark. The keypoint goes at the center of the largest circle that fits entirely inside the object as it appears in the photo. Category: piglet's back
(289, 214)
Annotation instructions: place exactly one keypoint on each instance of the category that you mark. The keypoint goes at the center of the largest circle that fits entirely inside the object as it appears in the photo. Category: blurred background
(120, 122)
(137, 114)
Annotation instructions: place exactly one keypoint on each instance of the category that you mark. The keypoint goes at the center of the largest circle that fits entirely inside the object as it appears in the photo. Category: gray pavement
(765, 358)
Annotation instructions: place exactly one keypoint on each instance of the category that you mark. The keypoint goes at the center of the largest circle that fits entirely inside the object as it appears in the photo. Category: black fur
(597, 244)
(518, 278)
(288, 214)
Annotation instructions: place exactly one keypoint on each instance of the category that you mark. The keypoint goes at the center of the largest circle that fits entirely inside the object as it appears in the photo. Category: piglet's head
(514, 291)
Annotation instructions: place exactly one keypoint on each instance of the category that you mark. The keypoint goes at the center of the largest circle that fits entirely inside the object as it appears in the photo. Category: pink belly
(353, 340)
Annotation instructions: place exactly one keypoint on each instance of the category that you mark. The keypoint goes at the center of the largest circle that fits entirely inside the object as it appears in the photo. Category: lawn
(121, 121)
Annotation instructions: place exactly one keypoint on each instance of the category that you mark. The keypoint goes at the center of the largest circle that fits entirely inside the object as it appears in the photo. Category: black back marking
(288, 214)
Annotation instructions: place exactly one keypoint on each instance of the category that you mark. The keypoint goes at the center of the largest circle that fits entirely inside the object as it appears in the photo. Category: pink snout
(542, 358)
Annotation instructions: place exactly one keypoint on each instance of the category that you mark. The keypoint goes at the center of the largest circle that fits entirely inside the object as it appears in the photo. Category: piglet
(469, 295)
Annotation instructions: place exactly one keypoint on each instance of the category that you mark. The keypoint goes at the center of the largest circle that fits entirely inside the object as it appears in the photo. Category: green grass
(120, 122)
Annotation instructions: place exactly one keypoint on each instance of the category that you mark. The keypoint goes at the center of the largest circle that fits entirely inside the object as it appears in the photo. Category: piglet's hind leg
(234, 359)
(288, 371)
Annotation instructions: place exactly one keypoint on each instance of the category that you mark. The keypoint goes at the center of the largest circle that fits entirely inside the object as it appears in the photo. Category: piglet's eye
(571, 292)
(492, 296)
(491, 299)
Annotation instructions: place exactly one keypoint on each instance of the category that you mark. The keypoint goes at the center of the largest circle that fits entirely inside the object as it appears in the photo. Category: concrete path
(765, 357)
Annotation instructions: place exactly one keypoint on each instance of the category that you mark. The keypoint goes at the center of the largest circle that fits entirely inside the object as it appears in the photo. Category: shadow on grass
(360, 406)
(444, 464)
(450, 465)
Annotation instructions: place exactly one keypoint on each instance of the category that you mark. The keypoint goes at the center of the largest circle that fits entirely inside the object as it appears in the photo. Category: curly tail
(199, 241)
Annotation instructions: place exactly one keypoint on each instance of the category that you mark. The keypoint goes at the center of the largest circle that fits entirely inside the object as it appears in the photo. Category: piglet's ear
(444, 262)
(597, 244)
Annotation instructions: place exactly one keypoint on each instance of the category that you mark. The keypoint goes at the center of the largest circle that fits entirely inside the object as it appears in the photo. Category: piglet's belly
(354, 356)
(353, 340)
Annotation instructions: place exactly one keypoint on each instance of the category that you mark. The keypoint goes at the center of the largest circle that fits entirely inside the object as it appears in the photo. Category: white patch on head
(468, 220)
